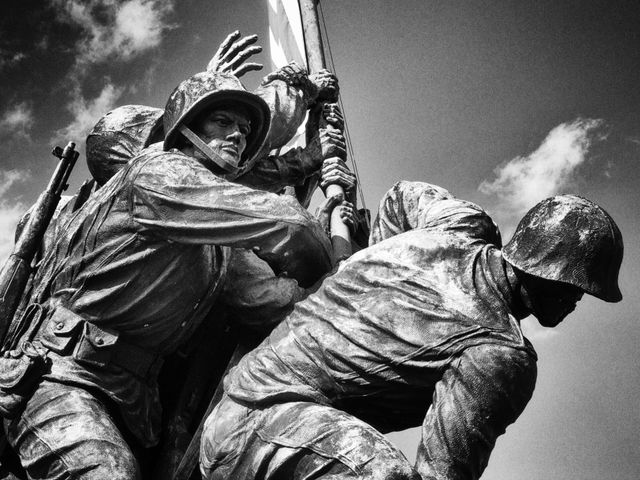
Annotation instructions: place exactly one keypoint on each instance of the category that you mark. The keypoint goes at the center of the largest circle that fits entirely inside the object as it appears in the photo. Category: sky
(503, 103)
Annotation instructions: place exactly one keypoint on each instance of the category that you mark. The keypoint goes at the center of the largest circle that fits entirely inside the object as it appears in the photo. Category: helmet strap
(207, 151)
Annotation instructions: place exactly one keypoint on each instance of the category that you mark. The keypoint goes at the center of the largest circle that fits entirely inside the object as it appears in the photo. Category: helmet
(205, 90)
(119, 136)
(572, 240)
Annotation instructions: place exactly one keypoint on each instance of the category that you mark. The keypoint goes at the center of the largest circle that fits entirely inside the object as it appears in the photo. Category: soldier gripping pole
(15, 273)
(340, 236)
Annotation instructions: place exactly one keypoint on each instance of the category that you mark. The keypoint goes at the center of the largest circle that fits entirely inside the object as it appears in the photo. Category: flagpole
(340, 236)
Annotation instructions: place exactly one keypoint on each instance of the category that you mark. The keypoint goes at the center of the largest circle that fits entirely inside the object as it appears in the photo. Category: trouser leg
(296, 441)
(66, 433)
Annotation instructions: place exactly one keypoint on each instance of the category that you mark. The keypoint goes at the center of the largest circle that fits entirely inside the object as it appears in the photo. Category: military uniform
(421, 327)
(127, 279)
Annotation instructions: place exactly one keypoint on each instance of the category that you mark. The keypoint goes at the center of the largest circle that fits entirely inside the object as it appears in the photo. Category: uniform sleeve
(288, 92)
(413, 205)
(480, 394)
(255, 294)
(176, 198)
(275, 172)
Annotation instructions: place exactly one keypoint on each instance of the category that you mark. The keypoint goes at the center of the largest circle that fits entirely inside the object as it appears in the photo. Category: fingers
(348, 215)
(333, 144)
(237, 47)
(327, 85)
(247, 67)
(335, 121)
(347, 211)
(242, 56)
(331, 202)
(345, 180)
(334, 151)
(332, 137)
(323, 212)
(335, 172)
(333, 115)
(232, 52)
(226, 43)
(215, 61)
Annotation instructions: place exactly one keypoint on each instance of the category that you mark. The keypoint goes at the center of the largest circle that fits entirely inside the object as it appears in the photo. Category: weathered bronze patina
(132, 273)
(423, 328)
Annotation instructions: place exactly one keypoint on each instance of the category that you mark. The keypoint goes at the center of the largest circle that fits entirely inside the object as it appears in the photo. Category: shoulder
(413, 189)
(419, 205)
(454, 214)
(157, 167)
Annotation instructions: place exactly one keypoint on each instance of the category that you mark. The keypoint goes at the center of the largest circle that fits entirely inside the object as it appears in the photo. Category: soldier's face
(225, 130)
(553, 301)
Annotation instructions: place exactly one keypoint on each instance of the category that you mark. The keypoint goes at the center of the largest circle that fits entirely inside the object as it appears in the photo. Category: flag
(286, 38)
(286, 44)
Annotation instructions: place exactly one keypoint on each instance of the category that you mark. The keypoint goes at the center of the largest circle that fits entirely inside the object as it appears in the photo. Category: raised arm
(176, 198)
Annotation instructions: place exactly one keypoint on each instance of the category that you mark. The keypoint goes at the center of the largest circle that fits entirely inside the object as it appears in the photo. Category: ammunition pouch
(93, 346)
(60, 331)
(66, 334)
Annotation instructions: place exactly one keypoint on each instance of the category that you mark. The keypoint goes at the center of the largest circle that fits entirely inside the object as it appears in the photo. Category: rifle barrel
(15, 273)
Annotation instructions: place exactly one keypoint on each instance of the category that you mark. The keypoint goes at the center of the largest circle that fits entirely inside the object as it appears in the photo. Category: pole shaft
(312, 37)
(340, 236)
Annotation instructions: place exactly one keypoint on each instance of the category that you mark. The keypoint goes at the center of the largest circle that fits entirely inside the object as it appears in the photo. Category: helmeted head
(119, 136)
(206, 92)
(572, 241)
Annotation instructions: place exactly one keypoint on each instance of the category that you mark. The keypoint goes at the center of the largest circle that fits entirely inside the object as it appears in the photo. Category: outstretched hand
(232, 53)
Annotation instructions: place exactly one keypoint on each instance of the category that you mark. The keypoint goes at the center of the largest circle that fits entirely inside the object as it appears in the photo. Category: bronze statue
(130, 275)
(421, 327)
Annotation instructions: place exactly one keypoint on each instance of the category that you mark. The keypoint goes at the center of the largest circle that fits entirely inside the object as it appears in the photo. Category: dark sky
(502, 102)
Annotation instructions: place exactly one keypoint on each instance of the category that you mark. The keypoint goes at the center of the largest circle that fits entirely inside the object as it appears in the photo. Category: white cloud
(116, 28)
(86, 113)
(17, 120)
(10, 210)
(524, 181)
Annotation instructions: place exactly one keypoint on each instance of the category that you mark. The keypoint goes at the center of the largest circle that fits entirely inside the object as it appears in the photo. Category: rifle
(17, 269)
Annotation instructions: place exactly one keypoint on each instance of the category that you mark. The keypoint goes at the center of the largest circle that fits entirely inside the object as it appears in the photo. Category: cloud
(17, 120)
(86, 113)
(8, 58)
(525, 180)
(635, 140)
(109, 30)
(114, 28)
(10, 210)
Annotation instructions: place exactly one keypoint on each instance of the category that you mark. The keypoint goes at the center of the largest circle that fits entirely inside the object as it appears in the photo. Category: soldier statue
(422, 327)
(129, 276)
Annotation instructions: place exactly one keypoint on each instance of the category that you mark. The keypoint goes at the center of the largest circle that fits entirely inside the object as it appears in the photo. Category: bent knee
(387, 462)
(103, 460)
(394, 467)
